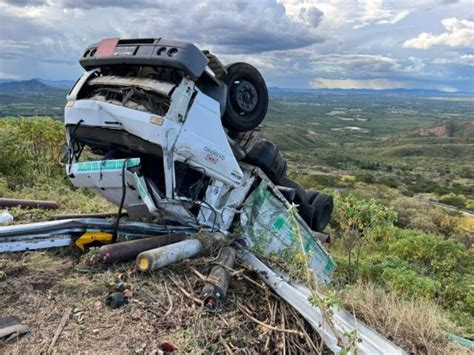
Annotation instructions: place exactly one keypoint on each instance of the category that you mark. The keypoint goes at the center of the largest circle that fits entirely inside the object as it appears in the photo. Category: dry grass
(39, 286)
(418, 326)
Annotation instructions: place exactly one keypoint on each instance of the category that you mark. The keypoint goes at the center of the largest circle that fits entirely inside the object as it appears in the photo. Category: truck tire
(288, 193)
(307, 213)
(310, 196)
(268, 158)
(299, 191)
(247, 98)
(323, 206)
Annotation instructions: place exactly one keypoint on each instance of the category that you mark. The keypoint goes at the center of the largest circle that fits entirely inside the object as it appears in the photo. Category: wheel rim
(245, 96)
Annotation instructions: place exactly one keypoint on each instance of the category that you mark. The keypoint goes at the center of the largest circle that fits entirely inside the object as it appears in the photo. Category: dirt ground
(40, 286)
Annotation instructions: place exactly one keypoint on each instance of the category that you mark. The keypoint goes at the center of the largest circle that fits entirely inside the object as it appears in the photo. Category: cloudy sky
(295, 43)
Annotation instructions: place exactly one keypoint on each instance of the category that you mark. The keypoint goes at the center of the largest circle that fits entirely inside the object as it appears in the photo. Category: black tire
(323, 206)
(299, 191)
(288, 194)
(307, 213)
(247, 98)
(310, 196)
(267, 157)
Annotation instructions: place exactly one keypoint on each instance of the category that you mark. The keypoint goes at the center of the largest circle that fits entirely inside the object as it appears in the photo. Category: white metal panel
(203, 143)
(368, 340)
(77, 87)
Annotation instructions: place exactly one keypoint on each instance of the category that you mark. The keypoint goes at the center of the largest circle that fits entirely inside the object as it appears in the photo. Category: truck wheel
(267, 157)
(307, 213)
(323, 206)
(288, 194)
(310, 196)
(247, 98)
(299, 191)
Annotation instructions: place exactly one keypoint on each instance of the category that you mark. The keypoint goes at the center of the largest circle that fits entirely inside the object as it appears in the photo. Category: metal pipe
(86, 215)
(214, 293)
(13, 202)
(157, 258)
(67, 226)
(125, 251)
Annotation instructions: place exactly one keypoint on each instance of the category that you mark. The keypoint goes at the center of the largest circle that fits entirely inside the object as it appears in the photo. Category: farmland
(387, 158)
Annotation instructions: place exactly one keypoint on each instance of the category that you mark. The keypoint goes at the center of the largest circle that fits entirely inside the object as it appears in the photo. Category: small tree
(454, 200)
(355, 218)
(45, 138)
(15, 158)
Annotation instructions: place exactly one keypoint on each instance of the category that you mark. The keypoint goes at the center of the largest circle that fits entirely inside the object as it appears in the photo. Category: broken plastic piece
(6, 218)
(116, 300)
(91, 237)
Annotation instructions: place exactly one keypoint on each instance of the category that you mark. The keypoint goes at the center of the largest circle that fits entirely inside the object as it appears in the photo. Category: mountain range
(39, 86)
(33, 86)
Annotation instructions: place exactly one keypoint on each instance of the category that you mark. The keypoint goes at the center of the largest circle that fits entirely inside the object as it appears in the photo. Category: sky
(363, 44)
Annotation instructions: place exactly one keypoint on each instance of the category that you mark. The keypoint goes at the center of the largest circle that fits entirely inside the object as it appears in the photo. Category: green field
(419, 144)
(415, 144)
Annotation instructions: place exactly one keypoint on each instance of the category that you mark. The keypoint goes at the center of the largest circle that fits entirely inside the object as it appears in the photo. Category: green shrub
(389, 181)
(315, 181)
(409, 283)
(454, 200)
(409, 262)
(30, 147)
(15, 157)
(353, 220)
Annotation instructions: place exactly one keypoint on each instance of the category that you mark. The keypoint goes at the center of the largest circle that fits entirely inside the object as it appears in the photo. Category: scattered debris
(60, 328)
(13, 331)
(168, 347)
(116, 300)
(121, 286)
(214, 291)
(157, 258)
(92, 239)
(125, 251)
(11, 202)
(9, 320)
(468, 343)
(85, 215)
(11, 328)
(6, 218)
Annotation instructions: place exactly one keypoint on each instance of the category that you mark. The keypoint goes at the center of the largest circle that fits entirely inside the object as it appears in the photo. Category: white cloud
(359, 13)
(416, 65)
(282, 38)
(395, 18)
(375, 11)
(460, 33)
(374, 84)
(466, 59)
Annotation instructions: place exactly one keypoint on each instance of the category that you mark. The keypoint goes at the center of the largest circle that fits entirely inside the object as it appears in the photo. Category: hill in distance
(33, 86)
(60, 84)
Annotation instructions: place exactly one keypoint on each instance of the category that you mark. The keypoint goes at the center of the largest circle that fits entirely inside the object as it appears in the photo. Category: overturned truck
(171, 132)
(177, 135)
(188, 127)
